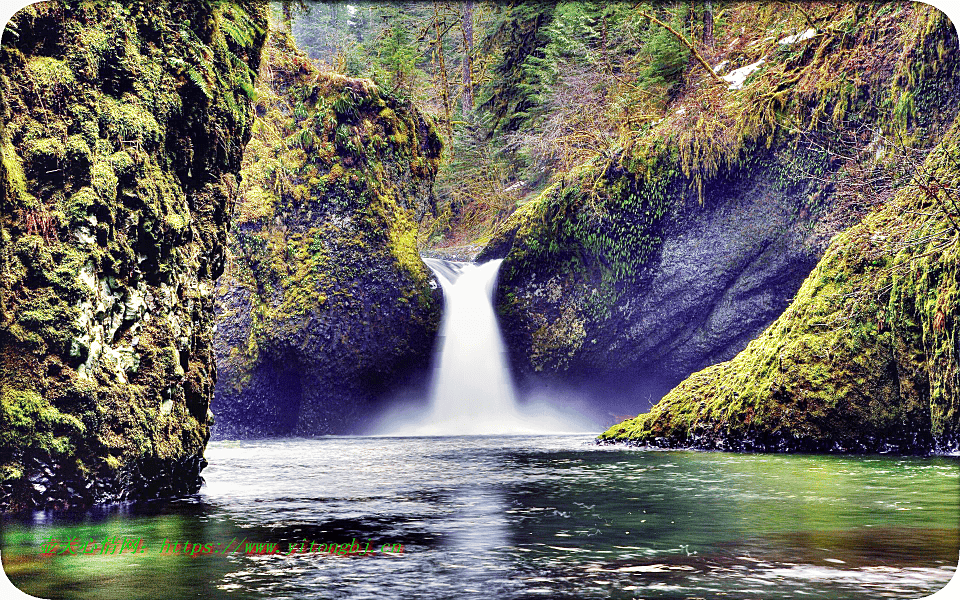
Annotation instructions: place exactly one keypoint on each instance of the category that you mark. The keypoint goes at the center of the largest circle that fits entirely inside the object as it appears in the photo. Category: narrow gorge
(478, 299)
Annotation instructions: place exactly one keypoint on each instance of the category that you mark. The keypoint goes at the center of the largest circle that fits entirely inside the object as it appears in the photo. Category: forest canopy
(521, 91)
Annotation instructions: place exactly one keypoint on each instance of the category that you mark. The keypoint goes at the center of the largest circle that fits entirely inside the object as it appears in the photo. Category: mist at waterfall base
(472, 392)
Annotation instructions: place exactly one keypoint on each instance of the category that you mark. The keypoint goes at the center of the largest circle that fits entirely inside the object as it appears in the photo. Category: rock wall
(123, 126)
(865, 359)
(326, 304)
(680, 285)
(670, 254)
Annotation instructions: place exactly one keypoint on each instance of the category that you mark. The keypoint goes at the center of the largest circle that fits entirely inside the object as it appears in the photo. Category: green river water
(510, 517)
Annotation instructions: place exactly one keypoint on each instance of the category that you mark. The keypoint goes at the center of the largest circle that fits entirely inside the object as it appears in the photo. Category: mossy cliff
(673, 251)
(866, 358)
(123, 126)
(326, 300)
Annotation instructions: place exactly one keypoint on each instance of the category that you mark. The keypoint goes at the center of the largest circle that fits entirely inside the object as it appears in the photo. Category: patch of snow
(738, 76)
(792, 39)
(876, 145)
(721, 66)
(757, 42)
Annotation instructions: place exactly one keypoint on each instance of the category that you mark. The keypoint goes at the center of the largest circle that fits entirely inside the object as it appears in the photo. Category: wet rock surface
(721, 272)
(326, 306)
(123, 127)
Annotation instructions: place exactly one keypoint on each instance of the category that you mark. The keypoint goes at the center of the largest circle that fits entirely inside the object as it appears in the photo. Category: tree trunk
(686, 43)
(439, 28)
(708, 24)
(287, 20)
(466, 26)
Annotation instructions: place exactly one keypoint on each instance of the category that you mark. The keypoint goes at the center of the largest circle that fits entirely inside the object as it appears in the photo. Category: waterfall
(472, 391)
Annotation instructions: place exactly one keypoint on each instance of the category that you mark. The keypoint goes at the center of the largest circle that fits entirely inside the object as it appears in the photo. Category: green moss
(864, 358)
(53, 77)
(45, 151)
(121, 162)
(103, 220)
(327, 243)
(32, 424)
(78, 152)
(126, 120)
(104, 180)
(14, 179)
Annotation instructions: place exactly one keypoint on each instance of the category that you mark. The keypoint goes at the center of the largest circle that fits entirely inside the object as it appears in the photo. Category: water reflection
(520, 517)
(476, 546)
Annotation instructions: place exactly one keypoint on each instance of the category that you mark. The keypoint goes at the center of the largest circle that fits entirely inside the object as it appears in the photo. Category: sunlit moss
(32, 424)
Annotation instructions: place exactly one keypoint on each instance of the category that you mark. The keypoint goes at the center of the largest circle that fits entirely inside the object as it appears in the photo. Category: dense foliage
(522, 91)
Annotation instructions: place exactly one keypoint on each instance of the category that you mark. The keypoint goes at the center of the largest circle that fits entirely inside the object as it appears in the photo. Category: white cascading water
(472, 391)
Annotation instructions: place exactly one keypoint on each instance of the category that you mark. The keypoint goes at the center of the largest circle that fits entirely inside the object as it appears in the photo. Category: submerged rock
(123, 128)
(326, 303)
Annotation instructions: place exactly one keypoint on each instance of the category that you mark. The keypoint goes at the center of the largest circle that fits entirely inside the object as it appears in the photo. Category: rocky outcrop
(326, 303)
(695, 282)
(672, 253)
(123, 126)
(865, 359)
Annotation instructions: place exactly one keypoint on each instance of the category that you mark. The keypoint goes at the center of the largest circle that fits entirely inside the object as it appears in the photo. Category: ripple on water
(529, 517)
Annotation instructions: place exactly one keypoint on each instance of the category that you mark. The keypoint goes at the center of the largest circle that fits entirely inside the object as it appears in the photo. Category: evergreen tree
(519, 38)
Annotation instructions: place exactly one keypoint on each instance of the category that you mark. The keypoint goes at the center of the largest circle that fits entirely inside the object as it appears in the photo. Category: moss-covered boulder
(673, 252)
(123, 126)
(865, 359)
(326, 302)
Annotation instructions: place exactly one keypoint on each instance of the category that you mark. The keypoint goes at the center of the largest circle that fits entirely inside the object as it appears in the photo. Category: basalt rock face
(716, 274)
(866, 356)
(326, 302)
(672, 253)
(865, 359)
(123, 126)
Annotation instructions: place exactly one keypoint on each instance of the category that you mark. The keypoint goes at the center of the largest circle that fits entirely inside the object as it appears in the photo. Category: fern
(241, 36)
(198, 80)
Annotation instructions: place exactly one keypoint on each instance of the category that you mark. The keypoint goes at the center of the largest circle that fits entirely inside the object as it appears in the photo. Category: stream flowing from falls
(433, 514)
(472, 391)
(513, 518)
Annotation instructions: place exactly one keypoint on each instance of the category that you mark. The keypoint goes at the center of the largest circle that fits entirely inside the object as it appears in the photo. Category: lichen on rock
(123, 126)
(326, 302)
